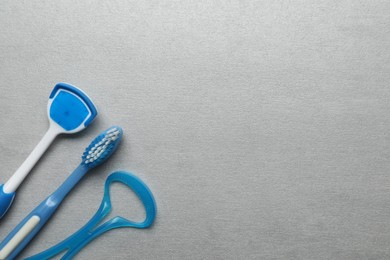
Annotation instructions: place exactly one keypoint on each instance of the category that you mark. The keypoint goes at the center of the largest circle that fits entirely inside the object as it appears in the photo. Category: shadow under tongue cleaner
(69, 110)
(74, 243)
(101, 148)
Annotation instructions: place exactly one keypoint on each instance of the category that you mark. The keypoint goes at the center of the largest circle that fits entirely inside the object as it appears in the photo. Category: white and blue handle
(7, 191)
(19, 238)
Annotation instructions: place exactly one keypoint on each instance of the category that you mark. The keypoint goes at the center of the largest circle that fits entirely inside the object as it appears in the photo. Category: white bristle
(99, 148)
(112, 130)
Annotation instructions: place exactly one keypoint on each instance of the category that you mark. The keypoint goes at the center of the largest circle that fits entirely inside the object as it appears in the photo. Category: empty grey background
(262, 127)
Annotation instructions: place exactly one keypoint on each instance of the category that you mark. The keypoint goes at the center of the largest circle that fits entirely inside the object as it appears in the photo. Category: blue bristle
(102, 147)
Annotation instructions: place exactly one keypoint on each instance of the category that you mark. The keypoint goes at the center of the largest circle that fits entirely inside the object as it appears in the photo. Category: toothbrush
(69, 110)
(101, 148)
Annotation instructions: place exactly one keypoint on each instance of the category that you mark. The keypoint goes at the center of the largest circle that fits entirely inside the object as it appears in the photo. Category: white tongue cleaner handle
(21, 173)
(7, 191)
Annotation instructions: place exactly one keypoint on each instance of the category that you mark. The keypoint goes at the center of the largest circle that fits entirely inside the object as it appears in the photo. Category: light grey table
(262, 127)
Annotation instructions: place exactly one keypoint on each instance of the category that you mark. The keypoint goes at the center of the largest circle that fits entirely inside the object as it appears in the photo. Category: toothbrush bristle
(102, 147)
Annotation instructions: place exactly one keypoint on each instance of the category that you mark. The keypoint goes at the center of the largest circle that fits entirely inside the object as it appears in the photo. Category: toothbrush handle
(21, 235)
(7, 191)
(72, 241)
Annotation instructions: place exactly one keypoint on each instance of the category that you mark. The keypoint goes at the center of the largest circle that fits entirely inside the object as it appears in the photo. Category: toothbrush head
(102, 147)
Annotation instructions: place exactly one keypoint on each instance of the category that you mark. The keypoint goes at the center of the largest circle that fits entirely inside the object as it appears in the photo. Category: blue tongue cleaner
(70, 108)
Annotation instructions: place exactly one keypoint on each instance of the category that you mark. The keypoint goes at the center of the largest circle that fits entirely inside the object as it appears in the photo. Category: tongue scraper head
(70, 110)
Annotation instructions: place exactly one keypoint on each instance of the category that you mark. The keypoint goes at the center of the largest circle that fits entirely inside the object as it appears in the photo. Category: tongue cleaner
(96, 227)
(101, 148)
(69, 111)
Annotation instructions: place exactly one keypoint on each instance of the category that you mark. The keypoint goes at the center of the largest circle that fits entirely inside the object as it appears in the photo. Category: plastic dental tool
(101, 148)
(93, 229)
(69, 110)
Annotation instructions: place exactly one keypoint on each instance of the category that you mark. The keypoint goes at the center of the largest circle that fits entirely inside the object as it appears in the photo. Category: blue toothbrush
(101, 148)
(69, 110)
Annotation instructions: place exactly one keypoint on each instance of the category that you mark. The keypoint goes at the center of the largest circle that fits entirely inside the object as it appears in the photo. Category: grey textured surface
(262, 127)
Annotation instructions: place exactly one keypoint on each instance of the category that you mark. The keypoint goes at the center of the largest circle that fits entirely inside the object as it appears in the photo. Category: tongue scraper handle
(7, 191)
(70, 110)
